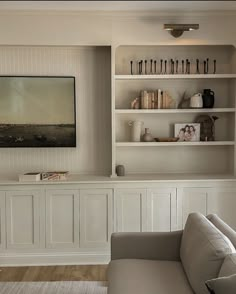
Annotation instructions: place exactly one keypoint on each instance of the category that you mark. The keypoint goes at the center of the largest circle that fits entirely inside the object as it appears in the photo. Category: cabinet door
(95, 218)
(62, 218)
(131, 209)
(193, 200)
(222, 201)
(23, 222)
(2, 221)
(161, 210)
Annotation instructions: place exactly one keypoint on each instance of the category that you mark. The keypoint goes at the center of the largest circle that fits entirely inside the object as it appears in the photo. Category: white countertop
(134, 178)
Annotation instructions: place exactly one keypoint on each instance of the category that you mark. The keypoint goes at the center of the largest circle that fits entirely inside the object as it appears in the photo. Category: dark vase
(208, 98)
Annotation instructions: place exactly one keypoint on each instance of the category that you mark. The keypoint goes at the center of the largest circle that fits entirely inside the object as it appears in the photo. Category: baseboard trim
(41, 259)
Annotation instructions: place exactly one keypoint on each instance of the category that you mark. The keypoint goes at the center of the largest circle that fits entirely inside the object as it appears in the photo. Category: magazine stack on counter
(44, 176)
(55, 175)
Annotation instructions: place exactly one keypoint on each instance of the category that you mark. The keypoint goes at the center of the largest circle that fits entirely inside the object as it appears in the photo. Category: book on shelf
(30, 177)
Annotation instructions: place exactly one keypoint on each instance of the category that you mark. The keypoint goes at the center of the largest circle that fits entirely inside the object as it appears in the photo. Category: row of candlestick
(172, 66)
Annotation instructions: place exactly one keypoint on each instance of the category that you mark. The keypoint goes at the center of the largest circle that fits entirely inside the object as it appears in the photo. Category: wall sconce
(176, 30)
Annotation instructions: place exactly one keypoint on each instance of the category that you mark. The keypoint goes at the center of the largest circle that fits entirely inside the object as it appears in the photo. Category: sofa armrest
(154, 246)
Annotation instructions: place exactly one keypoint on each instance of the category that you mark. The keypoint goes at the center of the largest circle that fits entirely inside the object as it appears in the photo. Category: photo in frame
(187, 132)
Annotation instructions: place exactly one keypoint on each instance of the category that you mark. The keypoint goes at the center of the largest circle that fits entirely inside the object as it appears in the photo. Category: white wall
(91, 67)
(90, 28)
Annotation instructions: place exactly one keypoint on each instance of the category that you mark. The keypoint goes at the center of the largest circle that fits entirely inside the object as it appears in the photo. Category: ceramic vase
(120, 170)
(147, 137)
(208, 98)
(136, 130)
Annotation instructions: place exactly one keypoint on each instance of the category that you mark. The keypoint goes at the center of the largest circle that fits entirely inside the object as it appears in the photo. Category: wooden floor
(54, 273)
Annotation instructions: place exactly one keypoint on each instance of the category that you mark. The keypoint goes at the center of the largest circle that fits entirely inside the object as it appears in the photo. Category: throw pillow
(225, 285)
(223, 227)
(228, 267)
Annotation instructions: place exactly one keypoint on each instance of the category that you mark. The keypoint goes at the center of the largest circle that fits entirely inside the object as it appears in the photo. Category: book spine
(159, 99)
(151, 100)
(144, 99)
(164, 99)
(156, 99)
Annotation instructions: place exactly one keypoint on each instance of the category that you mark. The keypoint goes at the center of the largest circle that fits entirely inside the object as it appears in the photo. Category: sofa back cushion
(223, 227)
(228, 267)
(203, 249)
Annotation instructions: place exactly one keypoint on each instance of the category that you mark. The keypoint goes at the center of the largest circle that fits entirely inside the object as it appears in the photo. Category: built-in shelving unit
(203, 157)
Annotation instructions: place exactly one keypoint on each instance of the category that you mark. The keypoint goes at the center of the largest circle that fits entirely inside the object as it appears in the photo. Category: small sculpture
(207, 127)
(145, 66)
(155, 66)
(135, 104)
(184, 102)
(161, 67)
(214, 70)
(131, 67)
(177, 67)
(151, 66)
(197, 66)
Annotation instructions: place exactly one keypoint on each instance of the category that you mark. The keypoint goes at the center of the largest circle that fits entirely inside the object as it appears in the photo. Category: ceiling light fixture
(176, 30)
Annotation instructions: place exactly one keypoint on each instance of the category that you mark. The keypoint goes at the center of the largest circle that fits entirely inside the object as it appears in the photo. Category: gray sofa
(174, 262)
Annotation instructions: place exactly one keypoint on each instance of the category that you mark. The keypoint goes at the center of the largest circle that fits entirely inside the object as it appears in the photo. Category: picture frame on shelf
(187, 132)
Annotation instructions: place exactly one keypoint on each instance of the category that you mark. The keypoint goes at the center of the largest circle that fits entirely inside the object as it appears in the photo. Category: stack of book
(157, 99)
(43, 176)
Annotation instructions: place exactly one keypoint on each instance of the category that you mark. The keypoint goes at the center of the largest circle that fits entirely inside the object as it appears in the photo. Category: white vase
(196, 101)
(136, 130)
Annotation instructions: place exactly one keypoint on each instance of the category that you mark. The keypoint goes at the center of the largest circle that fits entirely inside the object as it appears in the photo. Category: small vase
(208, 98)
(120, 170)
(147, 137)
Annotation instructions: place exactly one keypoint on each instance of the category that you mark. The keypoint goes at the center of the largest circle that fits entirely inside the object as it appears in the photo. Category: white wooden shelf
(159, 144)
(150, 111)
(175, 76)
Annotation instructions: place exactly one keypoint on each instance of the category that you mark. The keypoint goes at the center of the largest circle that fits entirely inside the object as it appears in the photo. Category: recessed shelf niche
(216, 157)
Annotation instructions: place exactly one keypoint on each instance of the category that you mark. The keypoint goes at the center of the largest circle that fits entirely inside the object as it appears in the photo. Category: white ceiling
(119, 5)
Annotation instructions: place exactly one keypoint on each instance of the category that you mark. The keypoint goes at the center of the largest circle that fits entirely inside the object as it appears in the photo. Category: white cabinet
(62, 218)
(192, 200)
(140, 210)
(72, 223)
(131, 210)
(78, 218)
(2, 221)
(95, 218)
(161, 210)
(23, 220)
(222, 201)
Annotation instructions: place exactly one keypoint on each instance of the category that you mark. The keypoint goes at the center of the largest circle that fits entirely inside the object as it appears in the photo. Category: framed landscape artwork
(37, 111)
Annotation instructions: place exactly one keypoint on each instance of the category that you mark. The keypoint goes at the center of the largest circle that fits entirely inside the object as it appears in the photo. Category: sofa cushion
(223, 227)
(228, 267)
(225, 285)
(140, 276)
(203, 249)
